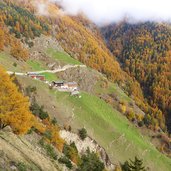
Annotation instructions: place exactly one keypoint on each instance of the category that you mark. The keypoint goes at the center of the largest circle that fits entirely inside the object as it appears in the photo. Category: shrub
(43, 114)
(74, 146)
(21, 166)
(139, 117)
(29, 90)
(66, 161)
(140, 124)
(42, 142)
(122, 108)
(39, 111)
(90, 161)
(118, 168)
(71, 152)
(31, 44)
(126, 167)
(48, 134)
(31, 130)
(54, 121)
(147, 120)
(69, 128)
(15, 64)
(131, 115)
(136, 165)
(51, 152)
(82, 133)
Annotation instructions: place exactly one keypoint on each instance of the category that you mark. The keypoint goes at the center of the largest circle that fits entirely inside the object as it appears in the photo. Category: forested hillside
(73, 36)
(124, 91)
(21, 22)
(18, 26)
(77, 35)
(144, 51)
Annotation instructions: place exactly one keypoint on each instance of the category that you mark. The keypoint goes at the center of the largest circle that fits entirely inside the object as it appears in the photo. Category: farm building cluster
(36, 76)
(66, 87)
(71, 87)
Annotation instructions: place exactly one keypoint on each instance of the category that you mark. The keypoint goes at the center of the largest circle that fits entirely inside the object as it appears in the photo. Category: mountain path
(64, 68)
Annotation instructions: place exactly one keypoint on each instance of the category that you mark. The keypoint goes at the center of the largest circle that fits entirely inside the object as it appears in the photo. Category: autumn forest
(130, 61)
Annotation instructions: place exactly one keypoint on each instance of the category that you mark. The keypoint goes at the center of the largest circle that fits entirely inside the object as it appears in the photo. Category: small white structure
(75, 93)
(72, 86)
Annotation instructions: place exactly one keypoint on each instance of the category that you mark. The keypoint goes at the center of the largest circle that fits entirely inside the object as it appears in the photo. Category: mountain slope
(144, 52)
(78, 37)
(54, 41)
(19, 151)
(95, 114)
(105, 124)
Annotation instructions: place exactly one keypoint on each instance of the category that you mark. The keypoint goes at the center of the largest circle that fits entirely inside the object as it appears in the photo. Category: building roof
(58, 82)
(72, 84)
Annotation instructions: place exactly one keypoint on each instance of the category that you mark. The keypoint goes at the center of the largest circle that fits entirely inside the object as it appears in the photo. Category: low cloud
(42, 9)
(107, 11)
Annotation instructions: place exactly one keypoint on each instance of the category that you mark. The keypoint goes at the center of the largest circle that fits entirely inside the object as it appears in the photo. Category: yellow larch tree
(14, 107)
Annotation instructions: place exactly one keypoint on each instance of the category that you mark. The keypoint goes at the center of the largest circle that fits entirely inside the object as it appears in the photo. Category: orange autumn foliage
(1, 39)
(14, 107)
(55, 138)
(18, 51)
(144, 49)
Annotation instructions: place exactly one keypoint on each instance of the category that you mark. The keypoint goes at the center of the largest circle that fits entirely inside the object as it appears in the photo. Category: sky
(108, 11)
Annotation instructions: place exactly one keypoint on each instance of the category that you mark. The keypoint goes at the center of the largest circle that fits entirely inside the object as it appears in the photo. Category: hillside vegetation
(20, 117)
(144, 52)
(118, 137)
(24, 153)
(114, 105)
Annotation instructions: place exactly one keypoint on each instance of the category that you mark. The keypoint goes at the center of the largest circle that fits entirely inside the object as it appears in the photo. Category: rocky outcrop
(82, 146)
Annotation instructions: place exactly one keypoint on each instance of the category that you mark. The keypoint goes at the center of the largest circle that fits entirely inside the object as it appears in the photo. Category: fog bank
(107, 11)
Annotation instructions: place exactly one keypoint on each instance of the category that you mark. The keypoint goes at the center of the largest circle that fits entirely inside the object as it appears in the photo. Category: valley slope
(143, 50)
(112, 105)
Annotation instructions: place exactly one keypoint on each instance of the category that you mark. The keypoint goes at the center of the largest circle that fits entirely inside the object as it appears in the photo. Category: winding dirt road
(47, 71)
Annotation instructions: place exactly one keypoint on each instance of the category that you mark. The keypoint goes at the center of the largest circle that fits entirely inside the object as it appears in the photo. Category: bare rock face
(82, 146)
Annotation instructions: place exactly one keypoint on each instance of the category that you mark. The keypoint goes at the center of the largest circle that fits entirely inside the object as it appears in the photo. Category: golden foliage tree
(54, 138)
(118, 168)
(14, 107)
(2, 34)
(19, 52)
(1, 39)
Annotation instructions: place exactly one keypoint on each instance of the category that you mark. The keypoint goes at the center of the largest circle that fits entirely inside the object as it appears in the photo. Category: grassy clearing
(8, 63)
(11, 64)
(36, 65)
(62, 57)
(107, 125)
(112, 89)
(50, 76)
